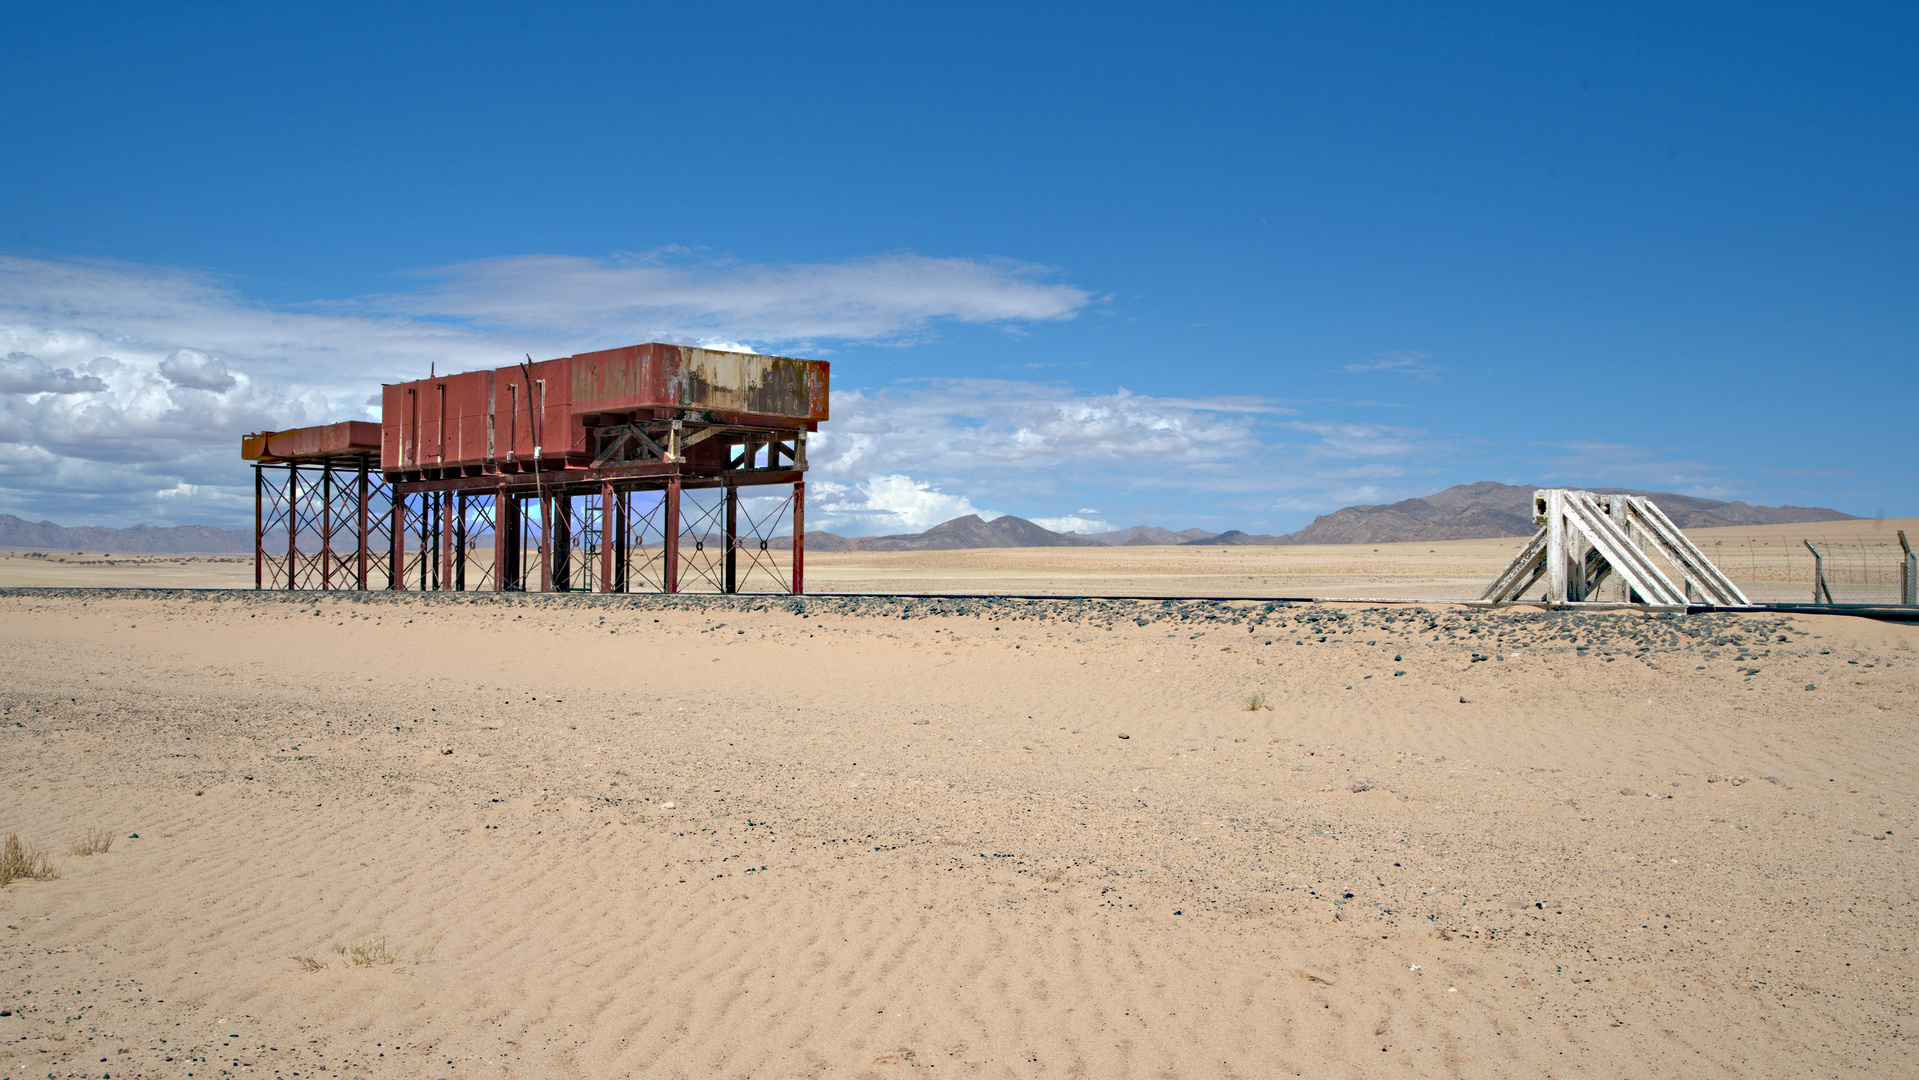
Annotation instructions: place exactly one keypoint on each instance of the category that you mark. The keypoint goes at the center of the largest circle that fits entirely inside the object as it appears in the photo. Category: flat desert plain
(580, 836)
(1424, 570)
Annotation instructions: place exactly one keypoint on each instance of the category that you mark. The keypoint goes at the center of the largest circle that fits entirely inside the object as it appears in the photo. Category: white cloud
(125, 389)
(884, 505)
(122, 382)
(196, 370)
(1411, 365)
(1072, 523)
(670, 292)
(1350, 440)
(21, 373)
(1040, 446)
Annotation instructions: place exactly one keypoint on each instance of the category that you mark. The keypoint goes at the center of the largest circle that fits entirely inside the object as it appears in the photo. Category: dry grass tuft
(1254, 703)
(18, 860)
(308, 963)
(95, 842)
(365, 953)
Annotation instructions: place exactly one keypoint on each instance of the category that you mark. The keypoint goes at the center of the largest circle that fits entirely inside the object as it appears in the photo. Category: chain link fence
(1817, 570)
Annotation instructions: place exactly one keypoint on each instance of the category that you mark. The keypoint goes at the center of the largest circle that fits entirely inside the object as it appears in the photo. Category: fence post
(1908, 574)
(1818, 574)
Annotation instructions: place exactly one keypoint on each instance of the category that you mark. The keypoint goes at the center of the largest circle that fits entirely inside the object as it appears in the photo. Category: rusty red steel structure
(610, 471)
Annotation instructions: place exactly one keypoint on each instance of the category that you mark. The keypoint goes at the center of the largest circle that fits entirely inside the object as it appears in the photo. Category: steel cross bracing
(321, 524)
(706, 534)
(1594, 549)
(327, 517)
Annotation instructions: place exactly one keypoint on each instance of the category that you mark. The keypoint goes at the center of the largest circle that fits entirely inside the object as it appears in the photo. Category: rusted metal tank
(349, 439)
(705, 380)
(506, 417)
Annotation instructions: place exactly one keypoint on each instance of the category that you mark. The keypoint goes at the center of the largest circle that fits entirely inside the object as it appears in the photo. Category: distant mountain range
(1143, 535)
(962, 532)
(140, 539)
(1489, 509)
(1466, 512)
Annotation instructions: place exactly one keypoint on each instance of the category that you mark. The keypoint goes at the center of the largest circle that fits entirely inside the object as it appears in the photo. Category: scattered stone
(1125, 736)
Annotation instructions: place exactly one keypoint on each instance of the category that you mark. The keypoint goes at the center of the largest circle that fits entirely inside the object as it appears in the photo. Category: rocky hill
(1145, 535)
(1490, 509)
(973, 532)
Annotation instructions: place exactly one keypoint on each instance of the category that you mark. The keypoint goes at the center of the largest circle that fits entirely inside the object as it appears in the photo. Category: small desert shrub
(18, 860)
(95, 842)
(365, 953)
(1254, 703)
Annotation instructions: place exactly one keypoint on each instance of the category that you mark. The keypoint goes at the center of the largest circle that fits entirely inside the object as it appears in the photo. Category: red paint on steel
(259, 553)
(799, 537)
(347, 439)
(293, 521)
(489, 419)
(671, 527)
(606, 536)
(326, 525)
(731, 572)
(359, 576)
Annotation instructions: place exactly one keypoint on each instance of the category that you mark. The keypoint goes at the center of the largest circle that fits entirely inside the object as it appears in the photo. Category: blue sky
(1217, 265)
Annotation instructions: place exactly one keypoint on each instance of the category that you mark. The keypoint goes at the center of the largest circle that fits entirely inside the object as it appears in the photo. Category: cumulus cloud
(122, 382)
(195, 370)
(125, 388)
(21, 373)
(1037, 446)
(884, 505)
(671, 292)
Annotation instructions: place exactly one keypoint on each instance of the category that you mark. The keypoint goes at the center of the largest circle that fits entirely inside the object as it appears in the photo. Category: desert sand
(523, 836)
(1767, 555)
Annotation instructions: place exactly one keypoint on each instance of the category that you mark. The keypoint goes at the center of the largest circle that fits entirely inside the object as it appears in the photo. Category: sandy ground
(1441, 570)
(601, 837)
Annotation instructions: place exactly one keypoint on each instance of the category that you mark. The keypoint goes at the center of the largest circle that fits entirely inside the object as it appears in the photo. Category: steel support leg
(396, 543)
(671, 516)
(732, 556)
(459, 542)
(562, 543)
(619, 540)
(359, 576)
(293, 523)
(799, 536)
(326, 525)
(259, 552)
(502, 519)
(546, 543)
(606, 536)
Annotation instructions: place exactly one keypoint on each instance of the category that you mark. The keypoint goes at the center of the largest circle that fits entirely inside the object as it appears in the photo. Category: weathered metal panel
(685, 377)
(296, 444)
(486, 417)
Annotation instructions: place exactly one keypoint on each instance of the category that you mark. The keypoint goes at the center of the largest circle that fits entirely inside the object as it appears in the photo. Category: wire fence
(1815, 570)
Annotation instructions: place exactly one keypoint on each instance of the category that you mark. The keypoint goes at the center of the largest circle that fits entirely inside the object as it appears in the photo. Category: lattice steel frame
(325, 509)
(347, 526)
